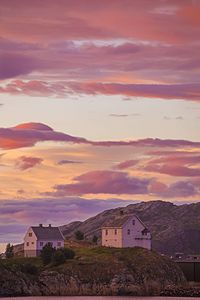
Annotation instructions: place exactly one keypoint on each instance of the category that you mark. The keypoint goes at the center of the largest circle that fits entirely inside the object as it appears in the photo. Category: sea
(99, 298)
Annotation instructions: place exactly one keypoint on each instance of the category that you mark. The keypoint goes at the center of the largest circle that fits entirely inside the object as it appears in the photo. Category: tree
(95, 239)
(47, 253)
(58, 257)
(79, 235)
(9, 251)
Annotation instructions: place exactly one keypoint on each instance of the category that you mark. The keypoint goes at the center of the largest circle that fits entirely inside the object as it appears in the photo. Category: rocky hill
(94, 271)
(174, 228)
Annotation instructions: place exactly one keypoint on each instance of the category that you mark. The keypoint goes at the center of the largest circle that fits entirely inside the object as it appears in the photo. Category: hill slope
(174, 228)
(97, 271)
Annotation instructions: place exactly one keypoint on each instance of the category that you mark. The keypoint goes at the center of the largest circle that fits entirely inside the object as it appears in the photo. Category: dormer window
(133, 222)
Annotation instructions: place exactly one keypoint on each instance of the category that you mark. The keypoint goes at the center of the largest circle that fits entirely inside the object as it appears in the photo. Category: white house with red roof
(38, 236)
(126, 231)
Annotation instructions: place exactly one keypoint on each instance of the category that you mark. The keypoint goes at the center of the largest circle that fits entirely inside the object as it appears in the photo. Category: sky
(99, 108)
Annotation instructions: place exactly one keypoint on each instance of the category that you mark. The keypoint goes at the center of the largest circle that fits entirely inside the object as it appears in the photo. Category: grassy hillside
(174, 228)
(94, 271)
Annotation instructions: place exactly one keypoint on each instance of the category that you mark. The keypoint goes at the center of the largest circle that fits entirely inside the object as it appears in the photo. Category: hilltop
(94, 271)
(174, 228)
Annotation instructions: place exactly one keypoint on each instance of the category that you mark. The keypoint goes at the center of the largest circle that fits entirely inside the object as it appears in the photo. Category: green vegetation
(90, 271)
(9, 251)
(95, 239)
(47, 253)
(56, 257)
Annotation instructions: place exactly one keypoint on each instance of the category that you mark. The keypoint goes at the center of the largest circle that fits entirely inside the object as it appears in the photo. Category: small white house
(38, 236)
(126, 231)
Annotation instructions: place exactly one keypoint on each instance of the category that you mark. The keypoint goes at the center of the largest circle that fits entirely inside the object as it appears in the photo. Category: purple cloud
(103, 182)
(28, 162)
(126, 164)
(28, 134)
(66, 162)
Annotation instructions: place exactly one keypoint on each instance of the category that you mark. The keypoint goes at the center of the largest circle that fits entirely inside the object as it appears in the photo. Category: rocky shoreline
(94, 272)
(185, 291)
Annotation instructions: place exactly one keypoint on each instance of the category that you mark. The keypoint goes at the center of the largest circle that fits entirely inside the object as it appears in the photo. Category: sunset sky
(99, 107)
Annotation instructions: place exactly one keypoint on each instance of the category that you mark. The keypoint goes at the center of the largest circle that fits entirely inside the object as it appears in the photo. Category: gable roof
(47, 233)
(118, 221)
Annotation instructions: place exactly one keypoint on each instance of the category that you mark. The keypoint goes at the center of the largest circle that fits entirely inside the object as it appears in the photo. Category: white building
(38, 236)
(126, 231)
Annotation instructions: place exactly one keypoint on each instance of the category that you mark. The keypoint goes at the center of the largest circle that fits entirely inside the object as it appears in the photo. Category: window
(128, 231)
(106, 231)
(133, 222)
(41, 244)
(59, 244)
(115, 231)
(30, 234)
(32, 243)
(144, 233)
(27, 244)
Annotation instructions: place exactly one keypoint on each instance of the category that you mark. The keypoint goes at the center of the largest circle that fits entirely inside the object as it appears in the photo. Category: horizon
(99, 105)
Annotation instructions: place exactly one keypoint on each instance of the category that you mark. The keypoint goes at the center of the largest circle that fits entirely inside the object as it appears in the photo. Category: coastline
(93, 272)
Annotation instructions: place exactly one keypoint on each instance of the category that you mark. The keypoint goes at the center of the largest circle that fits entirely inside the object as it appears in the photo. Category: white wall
(135, 238)
(113, 238)
(123, 239)
(53, 242)
(30, 244)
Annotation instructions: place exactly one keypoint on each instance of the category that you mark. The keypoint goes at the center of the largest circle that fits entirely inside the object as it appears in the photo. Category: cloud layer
(141, 49)
(28, 134)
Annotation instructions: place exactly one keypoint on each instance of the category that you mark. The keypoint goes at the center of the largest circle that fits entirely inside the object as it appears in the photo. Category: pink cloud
(165, 91)
(27, 162)
(173, 170)
(126, 164)
(175, 165)
(182, 189)
(112, 182)
(70, 19)
(28, 134)
(162, 91)
(103, 182)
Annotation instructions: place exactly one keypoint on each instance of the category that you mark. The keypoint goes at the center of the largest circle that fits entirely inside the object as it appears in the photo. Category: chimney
(121, 212)
(50, 225)
(40, 225)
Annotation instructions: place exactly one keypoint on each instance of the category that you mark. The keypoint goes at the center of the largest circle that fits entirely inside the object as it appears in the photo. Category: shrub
(47, 253)
(9, 251)
(58, 257)
(29, 269)
(68, 253)
(79, 235)
(95, 239)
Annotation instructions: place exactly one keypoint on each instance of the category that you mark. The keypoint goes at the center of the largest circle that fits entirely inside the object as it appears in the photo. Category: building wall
(132, 234)
(30, 244)
(112, 237)
(55, 244)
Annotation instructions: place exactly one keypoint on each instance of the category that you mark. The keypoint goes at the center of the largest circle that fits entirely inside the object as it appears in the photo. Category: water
(99, 298)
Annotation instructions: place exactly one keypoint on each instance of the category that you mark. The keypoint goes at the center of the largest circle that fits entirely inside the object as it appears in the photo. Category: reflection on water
(99, 298)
